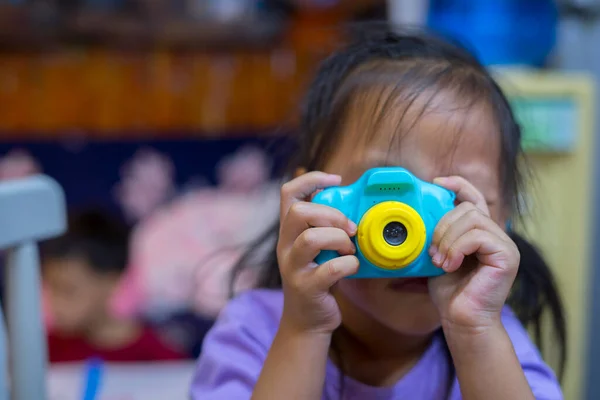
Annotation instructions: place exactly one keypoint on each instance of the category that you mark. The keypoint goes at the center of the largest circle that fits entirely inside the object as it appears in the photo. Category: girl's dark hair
(408, 66)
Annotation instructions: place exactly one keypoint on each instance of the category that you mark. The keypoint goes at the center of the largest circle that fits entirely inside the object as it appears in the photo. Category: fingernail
(352, 227)
(437, 258)
(432, 250)
(440, 180)
(353, 267)
(445, 265)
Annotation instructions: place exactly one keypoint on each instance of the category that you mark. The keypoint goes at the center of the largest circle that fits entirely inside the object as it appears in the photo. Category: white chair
(31, 210)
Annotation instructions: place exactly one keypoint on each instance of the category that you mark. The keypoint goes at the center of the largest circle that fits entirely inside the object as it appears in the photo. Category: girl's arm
(486, 365)
(295, 366)
(481, 263)
(296, 362)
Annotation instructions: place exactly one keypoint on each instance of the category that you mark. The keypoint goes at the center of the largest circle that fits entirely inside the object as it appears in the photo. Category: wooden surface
(104, 92)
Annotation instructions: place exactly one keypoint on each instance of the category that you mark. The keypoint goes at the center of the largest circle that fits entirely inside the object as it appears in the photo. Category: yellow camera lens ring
(372, 243)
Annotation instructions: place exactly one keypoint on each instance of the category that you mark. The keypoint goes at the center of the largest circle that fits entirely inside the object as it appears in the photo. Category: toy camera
(396, 214)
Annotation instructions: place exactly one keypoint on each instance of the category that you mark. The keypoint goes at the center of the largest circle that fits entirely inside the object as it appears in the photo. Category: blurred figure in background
(187, 241)
(80, 272)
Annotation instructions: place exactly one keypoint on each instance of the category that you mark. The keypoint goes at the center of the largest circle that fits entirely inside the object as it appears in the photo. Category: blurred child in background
(80, 273)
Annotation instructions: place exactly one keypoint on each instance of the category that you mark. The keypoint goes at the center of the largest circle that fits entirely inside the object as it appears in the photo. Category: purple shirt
(236, 347)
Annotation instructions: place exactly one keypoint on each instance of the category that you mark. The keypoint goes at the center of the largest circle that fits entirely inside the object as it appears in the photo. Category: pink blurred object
(244, 171)
(18, 164)
(147, 181)
(183, 254)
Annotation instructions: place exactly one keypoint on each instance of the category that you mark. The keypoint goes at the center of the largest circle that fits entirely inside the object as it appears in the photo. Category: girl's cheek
(499, 216)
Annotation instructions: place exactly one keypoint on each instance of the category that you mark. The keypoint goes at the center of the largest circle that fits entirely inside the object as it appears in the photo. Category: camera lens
(395, 233)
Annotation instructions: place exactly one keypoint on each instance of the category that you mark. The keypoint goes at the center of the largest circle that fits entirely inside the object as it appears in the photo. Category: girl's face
(434, 137)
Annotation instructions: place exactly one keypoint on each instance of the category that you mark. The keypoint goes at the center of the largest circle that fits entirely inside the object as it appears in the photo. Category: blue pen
(93, 378)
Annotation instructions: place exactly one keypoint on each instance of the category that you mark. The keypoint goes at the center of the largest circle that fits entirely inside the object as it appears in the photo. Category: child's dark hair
(409, 66)
(97, 238)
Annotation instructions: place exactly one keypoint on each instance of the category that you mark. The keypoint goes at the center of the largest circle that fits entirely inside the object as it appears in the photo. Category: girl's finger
(489, 249)
(314, 240)
(328, 274)
(299, 189)
(447, 220)
(303, 215)
(465, 191)
(472, 219)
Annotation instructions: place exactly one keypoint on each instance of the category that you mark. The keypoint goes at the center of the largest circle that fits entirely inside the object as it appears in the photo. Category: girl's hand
(307, 229)
(480, 259)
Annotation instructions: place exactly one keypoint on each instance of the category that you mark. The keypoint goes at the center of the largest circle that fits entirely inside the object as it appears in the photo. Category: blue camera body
(396, 214)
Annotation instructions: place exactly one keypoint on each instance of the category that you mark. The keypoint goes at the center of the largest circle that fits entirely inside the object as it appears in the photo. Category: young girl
(416, 102)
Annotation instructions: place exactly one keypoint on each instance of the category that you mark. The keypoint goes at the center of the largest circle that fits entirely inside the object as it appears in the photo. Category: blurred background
(164, 121)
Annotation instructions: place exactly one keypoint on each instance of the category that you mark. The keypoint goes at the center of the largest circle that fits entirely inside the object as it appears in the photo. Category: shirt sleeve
(233, 353)
(541, 378)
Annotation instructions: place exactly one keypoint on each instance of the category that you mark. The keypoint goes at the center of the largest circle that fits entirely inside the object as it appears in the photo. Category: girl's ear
(300, 171)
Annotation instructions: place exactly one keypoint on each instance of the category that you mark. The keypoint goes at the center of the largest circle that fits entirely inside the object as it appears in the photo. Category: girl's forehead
(434, 136)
